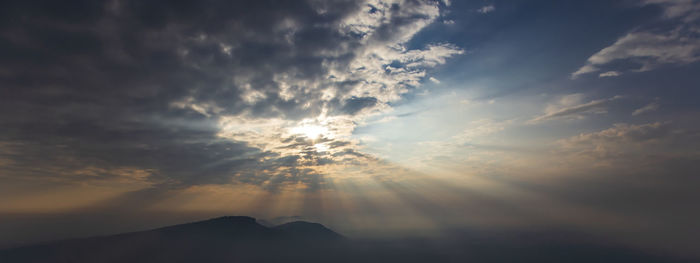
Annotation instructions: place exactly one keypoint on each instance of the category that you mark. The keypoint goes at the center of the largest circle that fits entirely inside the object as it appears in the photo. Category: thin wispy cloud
(652, 106)
(609, 74)
(648, 49)
(570, 107)
(619, 142)
(486, 9)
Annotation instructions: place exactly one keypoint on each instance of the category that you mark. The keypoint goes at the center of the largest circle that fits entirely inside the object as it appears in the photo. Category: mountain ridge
(244, 239)
(238, 238)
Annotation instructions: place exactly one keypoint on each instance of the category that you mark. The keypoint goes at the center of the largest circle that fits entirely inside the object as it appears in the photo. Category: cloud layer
(202, 92)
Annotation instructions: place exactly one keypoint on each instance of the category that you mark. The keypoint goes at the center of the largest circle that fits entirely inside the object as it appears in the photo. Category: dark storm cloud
(95, 82)
(142, 84)
(148, 55)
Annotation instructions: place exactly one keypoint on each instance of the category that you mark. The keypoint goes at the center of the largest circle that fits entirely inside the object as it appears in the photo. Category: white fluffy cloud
(382, 69)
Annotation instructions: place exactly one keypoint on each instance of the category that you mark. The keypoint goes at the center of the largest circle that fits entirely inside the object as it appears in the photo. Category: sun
(311, 131)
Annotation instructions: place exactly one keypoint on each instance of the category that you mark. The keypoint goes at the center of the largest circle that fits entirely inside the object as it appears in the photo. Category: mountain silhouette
(244, 239)
(223, 239)
(306, 230)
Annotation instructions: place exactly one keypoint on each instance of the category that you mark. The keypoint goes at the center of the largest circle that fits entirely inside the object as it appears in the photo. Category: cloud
(609, 74)
(570, 106)
(652, 106)
(203, 93)
(624, 144)
(354, 104)
(643, 148)
(648, 49)
(622, 133)
(687, 10)
(486, 9)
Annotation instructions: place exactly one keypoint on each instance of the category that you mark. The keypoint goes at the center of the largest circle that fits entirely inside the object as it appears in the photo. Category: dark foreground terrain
(242, 239)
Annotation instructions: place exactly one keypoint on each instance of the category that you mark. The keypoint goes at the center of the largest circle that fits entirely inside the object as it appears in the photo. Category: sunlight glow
(320, 147)
(311, 131)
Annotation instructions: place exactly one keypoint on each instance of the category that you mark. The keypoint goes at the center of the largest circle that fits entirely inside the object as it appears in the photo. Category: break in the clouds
(203, 92)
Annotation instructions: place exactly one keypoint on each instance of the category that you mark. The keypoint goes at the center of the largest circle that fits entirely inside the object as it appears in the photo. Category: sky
(376, 118)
